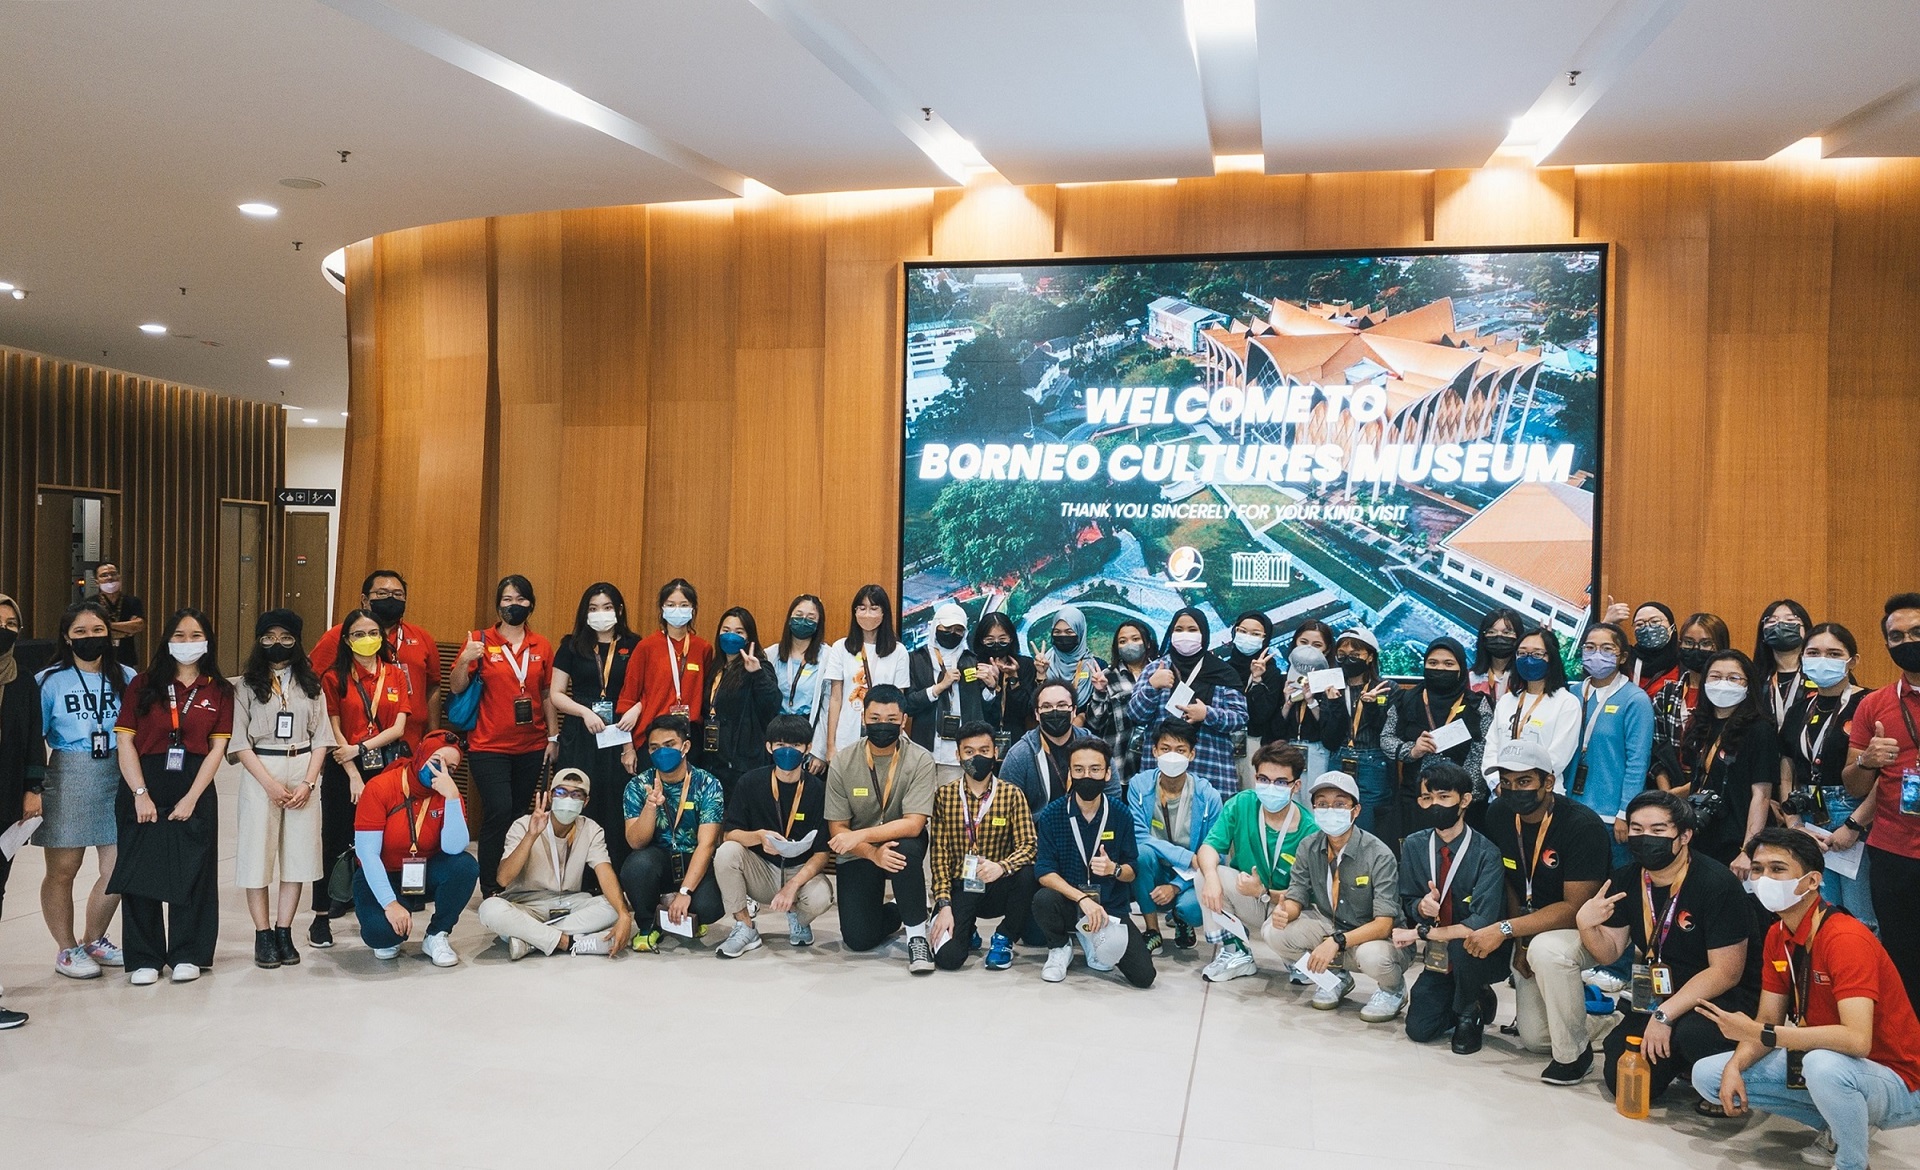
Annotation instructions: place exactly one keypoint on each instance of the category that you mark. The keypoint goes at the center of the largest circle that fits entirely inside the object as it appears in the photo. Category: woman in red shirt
(369, 703)
(512, 736)
(168, 815)
(668, 673)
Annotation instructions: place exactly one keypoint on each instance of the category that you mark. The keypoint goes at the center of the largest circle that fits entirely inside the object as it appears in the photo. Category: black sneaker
(11, 1019)
(320, 934)
(1154, 942)
(1183, 936)
(283, 942)
(1568, 1073)
(919, 955)
(266, 953)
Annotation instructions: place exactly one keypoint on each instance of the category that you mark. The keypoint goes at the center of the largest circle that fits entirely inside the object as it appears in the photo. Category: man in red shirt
(384, 595)
(1885, 730)
(1836, 1046)
(410, 834)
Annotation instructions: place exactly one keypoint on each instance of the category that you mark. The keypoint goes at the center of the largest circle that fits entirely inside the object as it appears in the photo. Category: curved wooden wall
(712, 390)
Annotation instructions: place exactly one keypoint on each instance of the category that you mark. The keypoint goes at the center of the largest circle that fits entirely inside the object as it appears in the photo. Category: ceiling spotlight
(302, 184)
(343, 414)
(154, 328)
(260, 210)
(280, 363)
(289, 406)
(5, 287)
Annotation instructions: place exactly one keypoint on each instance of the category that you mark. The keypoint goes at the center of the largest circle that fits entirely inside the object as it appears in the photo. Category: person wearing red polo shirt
(1836, 1045)
(168, 815)
(513, 735)
(384, 595)
(668, 673)
(410, 834)
(1885, 730)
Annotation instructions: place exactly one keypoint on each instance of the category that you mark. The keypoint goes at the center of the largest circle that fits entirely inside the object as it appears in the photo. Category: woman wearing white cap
(943, 690)
(1350, 724)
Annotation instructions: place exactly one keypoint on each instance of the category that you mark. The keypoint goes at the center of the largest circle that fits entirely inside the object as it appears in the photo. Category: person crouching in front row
(548, 852)
(1086, 867)
(410, 834)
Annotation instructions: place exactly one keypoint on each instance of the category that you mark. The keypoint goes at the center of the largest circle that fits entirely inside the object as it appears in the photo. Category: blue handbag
(463, 709)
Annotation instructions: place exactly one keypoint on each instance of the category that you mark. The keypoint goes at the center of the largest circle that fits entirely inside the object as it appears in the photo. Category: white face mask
(1172, 763)
(566, 809)
(187, 653)
(1185, 641)
(677, 616)
(600, 620)
(1333, 821)
(109, 587)
(1776, 894)
(1725, 692)
(1249, 644)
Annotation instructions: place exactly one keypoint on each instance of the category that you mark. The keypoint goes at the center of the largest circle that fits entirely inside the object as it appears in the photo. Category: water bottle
(1632, 1083)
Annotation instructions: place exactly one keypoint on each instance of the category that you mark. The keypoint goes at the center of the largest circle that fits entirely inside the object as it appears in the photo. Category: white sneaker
(76, 963)
(185, 972)
(1058, 959)
(1604, 979)
(437, 948)
(386, 952)
(1328, 998)
(1383, 1007)
(742, 938)
(517, 949)
(144, 977)
(1821, 1152)
(1230, 963)
(593, 944)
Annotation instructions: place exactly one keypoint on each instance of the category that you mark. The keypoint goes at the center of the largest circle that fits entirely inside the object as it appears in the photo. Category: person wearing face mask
(1416, 713)
(1452, 883)
(80, 699)
(1038, 762)
(1341, 905)
(1834, 1045)
(1555, 854)
(869, 656)
(1538, 707)
(1210, 697)
(281, 737)
(126, 614)
(673, 814)
(543, 905)
(1006, 677)
(23, 748)
(1246, 862)
(413, 652)
(370, 712)
(981, 859)
(796, 667)
(1776, 656)
(511, 741)
(745, 697)
(410, 843)
(1731, 761)
(1656, 648)
(173, 727)
(1280, 709)
(1172, 815)
(1493, 648)
(1069, 659)
(879, 798)
(771, 811)
(667, 675)
(1247, 653)
(1350, 723)
(1085, 862)
(944, 694)
(589, 668)
(1609, 766)
(1689, 929)
(1107, 713)
(1813, 758)
(1885, 742)
(1701, 636)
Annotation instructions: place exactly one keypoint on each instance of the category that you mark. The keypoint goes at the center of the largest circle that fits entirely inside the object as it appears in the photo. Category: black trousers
(867, 919)
(506, 785)
(336, 831)
(6, 871)
(648, 873)
(1694, 1036)
(1058, 916)
(1010, 900)
(1895, 883)
(1438, 1000)
(160, 934)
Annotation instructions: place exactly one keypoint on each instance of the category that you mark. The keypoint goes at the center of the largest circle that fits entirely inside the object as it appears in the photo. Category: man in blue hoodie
(1171, 818)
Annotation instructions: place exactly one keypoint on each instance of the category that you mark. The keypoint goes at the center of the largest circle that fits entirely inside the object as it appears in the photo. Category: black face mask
(387, 610)
(279, 654)
(883, 735)
(1906, 656)
(802, 628)
(980, 767)
(948, 639)
(1694, 658)
(1653, 852)
(1500, 645)
(1782, 635)
(1522, 800)
(1088, 787)
(1351, 663)
(1441, 682)
(7, 639)
(88, 649)
(1056, 723)
(1065, 643)
(1440, 816)
(997, 649)
(515, 615)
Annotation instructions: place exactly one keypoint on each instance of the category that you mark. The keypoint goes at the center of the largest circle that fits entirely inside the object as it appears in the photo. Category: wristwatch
(1506, 927)
(1423, 930)
(139, 792)
(1339, 938)
(686, 892)
(1856, 826)
(1768, 1038)
(940, 904)
(1660, 1016)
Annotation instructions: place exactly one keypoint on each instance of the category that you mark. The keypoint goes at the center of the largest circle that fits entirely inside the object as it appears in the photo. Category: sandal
(1706, 1108)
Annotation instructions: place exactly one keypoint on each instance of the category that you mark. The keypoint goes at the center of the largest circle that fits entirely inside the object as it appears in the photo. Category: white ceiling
(129, 130)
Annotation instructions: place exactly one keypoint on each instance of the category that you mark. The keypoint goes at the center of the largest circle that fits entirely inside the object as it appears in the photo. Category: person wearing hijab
(1069, 659)
(1247, 653)
(1441, 697)
(943, 690)
(1206, 693)
(1656, 647)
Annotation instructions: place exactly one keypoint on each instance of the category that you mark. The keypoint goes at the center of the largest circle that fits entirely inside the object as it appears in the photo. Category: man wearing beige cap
(541, 905)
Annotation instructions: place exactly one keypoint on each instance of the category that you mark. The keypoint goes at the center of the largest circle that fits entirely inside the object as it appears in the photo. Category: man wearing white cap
(1341, 905)
(943, 691)
(548, 852)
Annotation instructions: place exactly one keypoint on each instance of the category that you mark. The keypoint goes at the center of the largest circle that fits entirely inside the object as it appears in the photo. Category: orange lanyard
(1521, 711)
(793, 814)
(893, 770)
(420, 818)
(1539, 847)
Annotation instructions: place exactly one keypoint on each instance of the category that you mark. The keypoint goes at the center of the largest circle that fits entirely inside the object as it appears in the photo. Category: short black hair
(1091, 744)
(1804, 848)
(1678, 809)
(1898, 601)
(884, 693)
(790, 729)
(521, 585)
(1447, 776)
(1179, 729)
(678, 724)
(974, 729)
(1047, 685)
(366, 586)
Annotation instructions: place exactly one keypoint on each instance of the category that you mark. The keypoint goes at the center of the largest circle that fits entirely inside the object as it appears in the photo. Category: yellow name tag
(1779, 964)
(860, 792)
(969, 674)
(693, 666)
(1000, 822)
(799, 816)
(1361, 880)
(686, 804)
(1158, 825)
(1610, 708)
(1107, 836)
(1510, 863)
(1536, 723)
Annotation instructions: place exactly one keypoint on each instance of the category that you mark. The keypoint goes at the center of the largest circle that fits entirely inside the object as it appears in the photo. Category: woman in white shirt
(797, 661)
(869, 655)
(1538, 706)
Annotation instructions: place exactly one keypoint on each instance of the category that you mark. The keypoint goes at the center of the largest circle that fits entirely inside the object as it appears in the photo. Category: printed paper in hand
(683, 928)
(1448, 736)
(1330, 679)
(1325, 980)
(1180, 700)
(1230, 922)
(613, 736)
(16, 836)
(1846, 862)
(786, 848)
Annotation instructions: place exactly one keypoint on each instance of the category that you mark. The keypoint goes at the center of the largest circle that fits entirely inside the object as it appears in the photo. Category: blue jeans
(451, 878)
(1845, 1094)
(1852, 894)
(1152, 870)
(1376, 790)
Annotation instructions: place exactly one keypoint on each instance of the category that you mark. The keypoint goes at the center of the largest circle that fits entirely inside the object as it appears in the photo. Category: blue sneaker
(1000, 953)
(973, 944)
(799, 933)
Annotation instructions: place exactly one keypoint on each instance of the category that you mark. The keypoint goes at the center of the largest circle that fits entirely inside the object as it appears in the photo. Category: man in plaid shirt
(982, 856)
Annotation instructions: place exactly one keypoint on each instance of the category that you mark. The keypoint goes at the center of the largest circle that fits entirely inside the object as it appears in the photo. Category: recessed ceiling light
(5, 287)
(310, 421)
(260, 210)
(302, 184)
(19, 294)
(153, 327)
(282, 363)
(343, 414)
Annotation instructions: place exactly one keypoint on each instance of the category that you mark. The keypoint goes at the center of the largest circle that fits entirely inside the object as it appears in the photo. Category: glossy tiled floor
(811, 1058)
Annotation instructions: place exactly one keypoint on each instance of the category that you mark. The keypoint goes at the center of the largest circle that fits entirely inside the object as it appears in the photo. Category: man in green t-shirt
(1247, 859)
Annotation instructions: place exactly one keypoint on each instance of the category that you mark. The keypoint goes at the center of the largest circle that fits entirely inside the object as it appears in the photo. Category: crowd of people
(1677, 847)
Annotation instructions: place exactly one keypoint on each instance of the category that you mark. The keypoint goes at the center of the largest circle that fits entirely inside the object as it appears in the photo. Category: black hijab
(1213, 671)
(1654, 663)
(1422, 705)
(1242, 664)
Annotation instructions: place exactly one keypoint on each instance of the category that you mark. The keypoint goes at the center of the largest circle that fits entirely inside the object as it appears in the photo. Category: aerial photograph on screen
(1400, 441)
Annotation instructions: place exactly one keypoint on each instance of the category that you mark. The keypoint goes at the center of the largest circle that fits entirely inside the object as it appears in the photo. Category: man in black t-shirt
(1555, 853)
(771, 811)
(1693, 933)
(126, 614)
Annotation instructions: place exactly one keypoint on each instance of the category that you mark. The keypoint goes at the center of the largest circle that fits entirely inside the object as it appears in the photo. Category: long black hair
(883, 638)
(1481, 659)
(819, 639)
(1000, 621)
(1764, 660)
(1150, 639)
(259, 672)
(521, 585)
(1842, 635)
(342, 669)
(162, 669)
(734, 672)
(585, 639)
(109, 661)
(1706, 726)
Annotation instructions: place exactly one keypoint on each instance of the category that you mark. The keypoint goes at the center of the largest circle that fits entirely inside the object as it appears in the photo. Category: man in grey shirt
(1342, 903)
(1451, 884)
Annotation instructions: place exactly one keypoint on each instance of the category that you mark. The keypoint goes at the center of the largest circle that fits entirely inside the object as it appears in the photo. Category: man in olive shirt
(879, 797)
(982, 859)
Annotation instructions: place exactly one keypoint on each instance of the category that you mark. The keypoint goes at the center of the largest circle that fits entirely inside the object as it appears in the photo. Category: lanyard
(1782, 697)
(419, 820)
(1099, 834)
(1539, 847)
(939, 669)
(1814, 715)
(1433, 867)
(1522, 709)
(1278, 842)
(1459, 705)
(100, 704)
(1799, 977)
(606, 667)
(677, 667)
(1588, 714)
(554, 852)
(1333, 886)
(1167, 807)
(173, 706)
(371, 705)
(799, 785)
(279, 692)
(1713, 753)
(680, 807)
(1900, 693)
(800, 670)
(973, 821)
(893, 770)
(521, 665)
(1657, 939)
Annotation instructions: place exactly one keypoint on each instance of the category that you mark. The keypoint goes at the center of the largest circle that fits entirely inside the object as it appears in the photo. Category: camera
(1707, 806)
(1803, 802)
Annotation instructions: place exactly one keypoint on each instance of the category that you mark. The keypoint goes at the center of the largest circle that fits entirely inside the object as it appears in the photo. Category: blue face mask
(1272, 797)
(1530, 667)
(1824, 672)
(788, 758)
(730, 642)
(666, 759)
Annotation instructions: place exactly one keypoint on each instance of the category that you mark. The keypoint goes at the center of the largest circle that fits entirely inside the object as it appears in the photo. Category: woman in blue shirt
(1609, 766)
(79, 701)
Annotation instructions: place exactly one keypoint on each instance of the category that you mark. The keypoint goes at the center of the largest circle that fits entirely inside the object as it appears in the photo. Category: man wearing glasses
(384, 595)
(542, 906)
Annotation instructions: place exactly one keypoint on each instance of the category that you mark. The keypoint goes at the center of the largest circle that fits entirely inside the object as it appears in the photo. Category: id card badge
(679, 870)
(102, 745)
(710, 736)
(283, 725)
(1437, 957)
(522, 711)
(413, 877)
(949, 727)
(176, 758)
(1662, 978)
(680, 709)
(603, 710)
(1349, 761)
(1910, 792)
(1642, 994)
(369, 759)
(970, 876)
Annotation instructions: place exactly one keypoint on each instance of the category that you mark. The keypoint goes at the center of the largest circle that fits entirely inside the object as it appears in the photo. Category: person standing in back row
(126, 614)
(411, 648)
(869, 656)
(668, 674)
(945, 691)
(368, 705)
